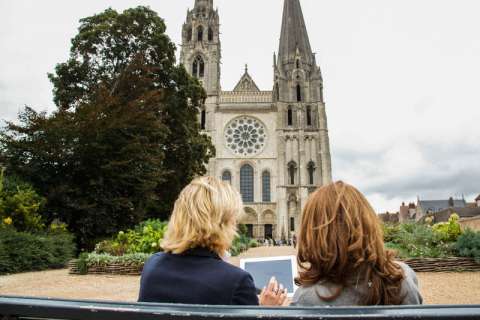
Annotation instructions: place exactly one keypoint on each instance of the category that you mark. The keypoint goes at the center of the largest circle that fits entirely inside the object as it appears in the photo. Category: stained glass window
(245, 136)
(266, 187)
(246, 183)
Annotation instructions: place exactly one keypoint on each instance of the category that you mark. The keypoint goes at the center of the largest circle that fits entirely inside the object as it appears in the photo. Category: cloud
(403, 171)
(401, 81)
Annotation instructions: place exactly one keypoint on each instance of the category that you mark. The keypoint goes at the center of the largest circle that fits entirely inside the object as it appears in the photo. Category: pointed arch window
(203, 119)
(200, 34)
(198, 67)
(210, 34)
(299, 93)
(292, 170)
(246, 183)
(309, 115)
(189, 34)
(277, 91)
(227, 176)
(266, 187)
(290, 116)
(311, 172)
(298, 63)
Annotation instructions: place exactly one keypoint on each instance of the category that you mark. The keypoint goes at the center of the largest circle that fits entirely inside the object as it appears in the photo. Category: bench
(34, 308)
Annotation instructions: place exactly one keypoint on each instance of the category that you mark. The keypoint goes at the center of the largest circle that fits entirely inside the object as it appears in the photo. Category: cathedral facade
(273, 146)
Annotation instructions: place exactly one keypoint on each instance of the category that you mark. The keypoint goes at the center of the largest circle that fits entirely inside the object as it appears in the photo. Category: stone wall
(472, 223)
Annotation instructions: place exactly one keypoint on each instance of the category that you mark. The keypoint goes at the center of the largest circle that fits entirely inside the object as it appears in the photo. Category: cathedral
(273, 146)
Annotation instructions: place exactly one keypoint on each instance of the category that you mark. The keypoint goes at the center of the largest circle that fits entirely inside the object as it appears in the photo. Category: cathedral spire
(208, 4)
(294, 42)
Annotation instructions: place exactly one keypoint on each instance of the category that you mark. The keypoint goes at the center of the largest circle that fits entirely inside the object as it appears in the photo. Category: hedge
(22, 252)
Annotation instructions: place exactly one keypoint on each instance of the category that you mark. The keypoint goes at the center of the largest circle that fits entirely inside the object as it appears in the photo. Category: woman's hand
(274, 294)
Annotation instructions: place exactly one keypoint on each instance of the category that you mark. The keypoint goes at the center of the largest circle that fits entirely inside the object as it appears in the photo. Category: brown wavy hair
(340, 238)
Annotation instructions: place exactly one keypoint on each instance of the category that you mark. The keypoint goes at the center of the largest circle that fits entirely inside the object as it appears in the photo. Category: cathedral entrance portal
(268, 231)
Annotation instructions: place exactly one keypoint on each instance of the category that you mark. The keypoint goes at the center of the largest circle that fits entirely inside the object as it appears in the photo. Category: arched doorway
(268, 231)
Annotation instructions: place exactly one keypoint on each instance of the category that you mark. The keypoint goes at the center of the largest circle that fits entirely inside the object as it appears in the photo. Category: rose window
(245, 136)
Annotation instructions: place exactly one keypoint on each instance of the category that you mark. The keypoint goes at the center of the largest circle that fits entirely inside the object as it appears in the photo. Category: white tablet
(284, 269)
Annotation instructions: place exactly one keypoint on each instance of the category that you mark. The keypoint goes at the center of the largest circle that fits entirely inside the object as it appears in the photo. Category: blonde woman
(191, 270)
(342, 254)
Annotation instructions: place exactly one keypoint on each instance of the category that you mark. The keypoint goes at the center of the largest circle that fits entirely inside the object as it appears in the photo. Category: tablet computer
(284, 269)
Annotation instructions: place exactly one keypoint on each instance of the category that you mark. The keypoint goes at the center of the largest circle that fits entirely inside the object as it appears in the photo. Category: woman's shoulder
(309, 296)
(410, 275)
(410, 289)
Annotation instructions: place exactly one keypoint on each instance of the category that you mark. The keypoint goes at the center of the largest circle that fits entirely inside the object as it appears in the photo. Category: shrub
(145, 238)
(240, 244)
(20, 251)
(20, 205)
(90, 260)
(390, 231)
(449, 231)
(468, 245)
(419, 241)
(253, 243)
(82, 264)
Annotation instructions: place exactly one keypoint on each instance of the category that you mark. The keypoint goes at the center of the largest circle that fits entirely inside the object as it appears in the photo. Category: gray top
(309, 296)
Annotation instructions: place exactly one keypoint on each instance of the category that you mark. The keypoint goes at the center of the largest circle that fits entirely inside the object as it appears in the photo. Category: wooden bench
(33, 308)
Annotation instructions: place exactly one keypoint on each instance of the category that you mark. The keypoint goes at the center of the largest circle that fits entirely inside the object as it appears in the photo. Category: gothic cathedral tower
(303, 143)
(201, 54)
(272, 146)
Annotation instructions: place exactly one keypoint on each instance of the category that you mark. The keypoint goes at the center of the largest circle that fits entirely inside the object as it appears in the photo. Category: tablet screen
(262, 269)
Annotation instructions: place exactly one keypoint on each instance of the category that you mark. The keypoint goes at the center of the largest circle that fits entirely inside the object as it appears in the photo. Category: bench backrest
(32, 308)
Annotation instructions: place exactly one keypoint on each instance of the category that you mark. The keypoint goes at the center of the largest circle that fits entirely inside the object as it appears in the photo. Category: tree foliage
(125, 138)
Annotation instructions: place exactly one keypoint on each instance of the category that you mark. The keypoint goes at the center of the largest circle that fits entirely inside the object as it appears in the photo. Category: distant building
(407, 213)
(477, 200)
(428, 207)
(389, 217)
(444, 215)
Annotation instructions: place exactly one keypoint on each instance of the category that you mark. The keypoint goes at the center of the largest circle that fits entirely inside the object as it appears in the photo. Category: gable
(246, 84)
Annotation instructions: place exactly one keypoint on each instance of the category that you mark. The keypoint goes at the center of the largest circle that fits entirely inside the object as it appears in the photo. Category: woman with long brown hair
(342, 256)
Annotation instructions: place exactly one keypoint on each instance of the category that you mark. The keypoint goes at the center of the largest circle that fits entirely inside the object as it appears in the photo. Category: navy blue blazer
(197, 276)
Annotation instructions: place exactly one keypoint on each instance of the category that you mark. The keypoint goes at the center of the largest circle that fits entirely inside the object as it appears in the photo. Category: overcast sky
(402, 79)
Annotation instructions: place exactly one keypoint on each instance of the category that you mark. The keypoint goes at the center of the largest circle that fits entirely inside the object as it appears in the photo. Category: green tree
(125, 138)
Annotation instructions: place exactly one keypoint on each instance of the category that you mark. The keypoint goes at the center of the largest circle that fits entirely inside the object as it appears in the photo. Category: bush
(449, 231)
(253, 243)
(240, 244)
(419, 241)
(20, 205)
(21, 252)
(144, 238)
(90, 260)
(468, 245)
(390, 231)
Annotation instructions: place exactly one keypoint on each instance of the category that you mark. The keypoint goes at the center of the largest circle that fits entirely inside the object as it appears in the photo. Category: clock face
(245, 136)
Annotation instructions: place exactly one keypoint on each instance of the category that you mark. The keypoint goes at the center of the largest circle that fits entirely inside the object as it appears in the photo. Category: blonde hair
(204, 215)
(341, 237)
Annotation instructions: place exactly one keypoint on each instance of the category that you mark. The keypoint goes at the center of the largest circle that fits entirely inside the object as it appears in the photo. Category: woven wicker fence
(443, 264)
(112, 269)
(419, 265)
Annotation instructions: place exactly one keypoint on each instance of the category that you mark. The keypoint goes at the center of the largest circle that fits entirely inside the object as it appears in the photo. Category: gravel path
(436, 288)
